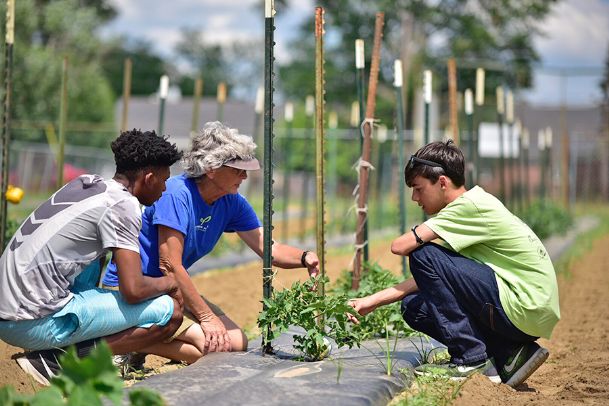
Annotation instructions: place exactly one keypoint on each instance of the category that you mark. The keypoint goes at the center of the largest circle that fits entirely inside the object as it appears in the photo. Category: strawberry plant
(319, 316)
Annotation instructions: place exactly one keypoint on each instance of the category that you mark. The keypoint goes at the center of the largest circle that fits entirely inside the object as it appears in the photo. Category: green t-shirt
(478, 226)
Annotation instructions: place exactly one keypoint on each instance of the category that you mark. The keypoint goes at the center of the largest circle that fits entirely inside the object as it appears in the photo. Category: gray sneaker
(523, 362)
(459, 372)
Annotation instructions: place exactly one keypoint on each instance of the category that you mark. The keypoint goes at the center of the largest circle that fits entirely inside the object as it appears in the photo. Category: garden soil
(577, 371)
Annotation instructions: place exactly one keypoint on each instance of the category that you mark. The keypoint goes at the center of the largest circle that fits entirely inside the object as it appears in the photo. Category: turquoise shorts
(91, 313)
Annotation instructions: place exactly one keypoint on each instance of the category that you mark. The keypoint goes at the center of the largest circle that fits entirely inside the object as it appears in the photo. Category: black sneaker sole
(539, 357)
(27, 366)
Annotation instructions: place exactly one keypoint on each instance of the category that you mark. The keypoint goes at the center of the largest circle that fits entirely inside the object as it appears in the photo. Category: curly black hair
(134, 150)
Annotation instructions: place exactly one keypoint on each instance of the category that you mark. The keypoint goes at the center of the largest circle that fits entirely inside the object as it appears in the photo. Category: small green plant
(384, 321)
(319, 316)
(547, 218)
(83, 381)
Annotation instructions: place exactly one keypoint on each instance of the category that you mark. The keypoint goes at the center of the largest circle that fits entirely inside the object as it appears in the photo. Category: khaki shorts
(189, 318)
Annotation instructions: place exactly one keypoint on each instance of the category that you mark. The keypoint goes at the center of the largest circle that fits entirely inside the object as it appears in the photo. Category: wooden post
(362, 200)
(126, 93)
(196, 105)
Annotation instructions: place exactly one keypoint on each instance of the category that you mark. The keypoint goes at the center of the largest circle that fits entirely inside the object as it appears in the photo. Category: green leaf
(145, 397)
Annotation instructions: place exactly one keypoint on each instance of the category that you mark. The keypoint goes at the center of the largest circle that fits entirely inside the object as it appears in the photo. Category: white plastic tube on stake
(500, 100)
(269, 8)
(333, 120)
(259, 108)
(509, 108)
(427, 86)
(309, 105)
(469, 102)
(479, 86)
(354, 121)
(548, 137)
(360, 61)
(288, 112)
(526, 138)
(541, 140)
(164, 87)
(397, 73)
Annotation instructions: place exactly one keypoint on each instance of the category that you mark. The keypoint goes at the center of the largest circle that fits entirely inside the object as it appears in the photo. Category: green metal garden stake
(360, 65)
(509, 118)
(320, 229)
(427, 92)
(63, 110)
(6, 116)
(267, 258)
(526, 141)
(397, 83)
(163, 91)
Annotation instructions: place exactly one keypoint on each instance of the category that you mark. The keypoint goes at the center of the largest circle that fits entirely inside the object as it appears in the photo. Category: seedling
(302, 306)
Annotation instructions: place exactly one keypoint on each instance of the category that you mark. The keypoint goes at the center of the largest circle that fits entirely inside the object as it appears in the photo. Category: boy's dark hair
(135, 150)
(447, 156)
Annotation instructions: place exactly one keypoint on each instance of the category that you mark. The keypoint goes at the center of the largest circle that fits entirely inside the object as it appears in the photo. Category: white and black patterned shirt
(76, 226)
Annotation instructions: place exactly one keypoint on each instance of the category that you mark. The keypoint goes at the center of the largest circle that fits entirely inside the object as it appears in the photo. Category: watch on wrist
(303, 258)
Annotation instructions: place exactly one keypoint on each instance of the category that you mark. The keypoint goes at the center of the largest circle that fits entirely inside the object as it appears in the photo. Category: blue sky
(576, 35)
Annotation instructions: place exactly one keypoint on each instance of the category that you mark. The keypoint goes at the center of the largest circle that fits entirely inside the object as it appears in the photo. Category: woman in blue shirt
(187, 222)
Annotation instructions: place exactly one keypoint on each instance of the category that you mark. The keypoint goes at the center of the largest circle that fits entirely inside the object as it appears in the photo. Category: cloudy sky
(576, 36)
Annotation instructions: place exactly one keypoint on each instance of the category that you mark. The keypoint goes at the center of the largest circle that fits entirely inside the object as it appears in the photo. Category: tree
(147, 67)
(45, 32)
(488, 33)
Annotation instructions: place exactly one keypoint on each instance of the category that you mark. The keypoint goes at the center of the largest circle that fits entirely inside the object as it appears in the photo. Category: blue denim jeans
(458, 304)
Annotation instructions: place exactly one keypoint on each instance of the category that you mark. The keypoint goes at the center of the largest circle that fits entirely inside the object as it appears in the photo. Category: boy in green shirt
(489, 293)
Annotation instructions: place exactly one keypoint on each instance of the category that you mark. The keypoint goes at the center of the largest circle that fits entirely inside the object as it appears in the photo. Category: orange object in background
(14, 194)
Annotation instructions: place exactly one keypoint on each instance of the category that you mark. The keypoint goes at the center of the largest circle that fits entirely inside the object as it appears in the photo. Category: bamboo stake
(289, 117)
(6, 116)
(221, 98)
(362, 201)
(319, 145)
(360, 65)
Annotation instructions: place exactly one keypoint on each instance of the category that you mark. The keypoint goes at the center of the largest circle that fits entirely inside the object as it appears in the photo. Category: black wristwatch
(303, 257)
(416, 236)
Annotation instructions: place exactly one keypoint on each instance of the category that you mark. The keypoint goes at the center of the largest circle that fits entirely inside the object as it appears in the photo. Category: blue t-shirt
(182, 208)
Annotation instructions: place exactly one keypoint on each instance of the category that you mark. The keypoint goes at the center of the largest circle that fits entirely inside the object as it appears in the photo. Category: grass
(427, 391)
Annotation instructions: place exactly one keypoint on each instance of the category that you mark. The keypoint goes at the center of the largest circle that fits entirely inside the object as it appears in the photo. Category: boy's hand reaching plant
(362, 306)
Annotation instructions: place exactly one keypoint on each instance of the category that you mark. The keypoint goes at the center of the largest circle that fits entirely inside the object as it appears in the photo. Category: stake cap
(509, 108)
(259, 108)
(221, 93)
(288, 112)
(500, 100)
(427, 78)
(397, 73)
(332, 120)
(269, 8)
(526, 138)
(548, 137)
(355, 121)
(479, 86)
(309, 105)
(164, 87)
(541, 140)
(469, 102)
(360, 61)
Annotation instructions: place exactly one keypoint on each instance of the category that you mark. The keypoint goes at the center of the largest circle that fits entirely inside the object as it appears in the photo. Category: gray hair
(215, 145)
